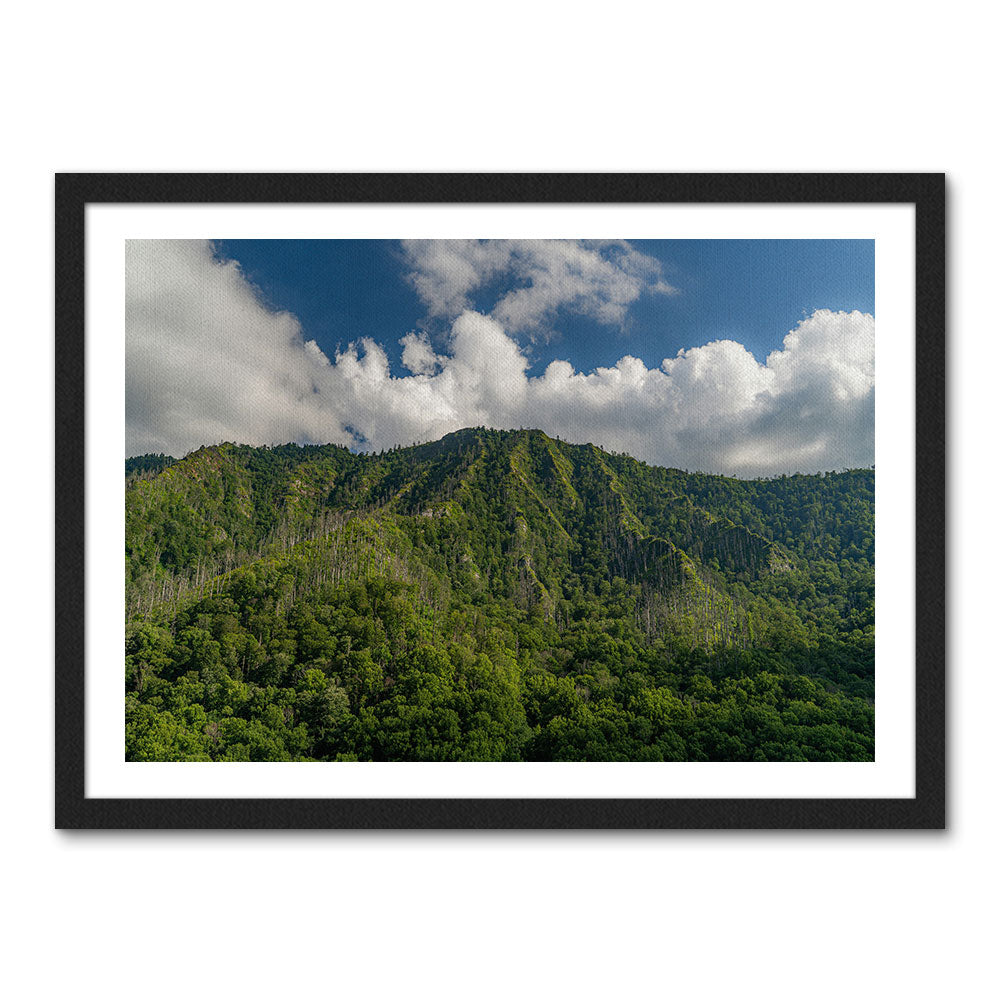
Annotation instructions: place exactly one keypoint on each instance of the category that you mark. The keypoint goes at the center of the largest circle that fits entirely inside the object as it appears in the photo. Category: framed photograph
(500, 501)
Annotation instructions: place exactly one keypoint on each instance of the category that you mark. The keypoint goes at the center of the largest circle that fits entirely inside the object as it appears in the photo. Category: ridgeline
(495, 595)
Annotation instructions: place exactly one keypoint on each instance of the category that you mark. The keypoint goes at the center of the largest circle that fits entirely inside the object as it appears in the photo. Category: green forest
(493, 596)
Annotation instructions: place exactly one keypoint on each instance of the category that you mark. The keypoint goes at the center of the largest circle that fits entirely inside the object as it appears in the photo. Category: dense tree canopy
(494, 596)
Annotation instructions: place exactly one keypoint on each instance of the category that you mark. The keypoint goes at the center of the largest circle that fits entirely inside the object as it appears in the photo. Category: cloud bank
(206, 362)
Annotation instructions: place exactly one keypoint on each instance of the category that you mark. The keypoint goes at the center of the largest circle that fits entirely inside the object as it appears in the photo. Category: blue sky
(751, 291)
(743, 357)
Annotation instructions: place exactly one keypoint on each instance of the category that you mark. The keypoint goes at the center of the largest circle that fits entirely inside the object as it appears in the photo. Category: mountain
(495, 595)
(146, 466)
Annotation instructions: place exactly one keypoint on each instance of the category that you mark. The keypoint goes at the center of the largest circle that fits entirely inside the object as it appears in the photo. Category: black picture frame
(74, 810)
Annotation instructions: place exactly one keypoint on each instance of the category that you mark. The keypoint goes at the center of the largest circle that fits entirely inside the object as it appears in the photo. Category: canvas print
(504, 500)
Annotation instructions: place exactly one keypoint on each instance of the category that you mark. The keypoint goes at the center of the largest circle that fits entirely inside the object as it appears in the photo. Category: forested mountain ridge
(146, 466)
(494, 595)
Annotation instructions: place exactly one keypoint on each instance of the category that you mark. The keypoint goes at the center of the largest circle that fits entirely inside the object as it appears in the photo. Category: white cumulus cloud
(207, 361)
(418, 355)
(533, 279)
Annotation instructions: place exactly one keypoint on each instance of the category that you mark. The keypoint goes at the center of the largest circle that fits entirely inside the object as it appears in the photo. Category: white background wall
(517, 86)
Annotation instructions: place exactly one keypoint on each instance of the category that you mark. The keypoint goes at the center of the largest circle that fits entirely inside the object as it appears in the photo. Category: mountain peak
(494, 595)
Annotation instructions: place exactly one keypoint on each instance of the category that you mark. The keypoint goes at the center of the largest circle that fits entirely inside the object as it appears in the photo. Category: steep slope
(537, 559)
